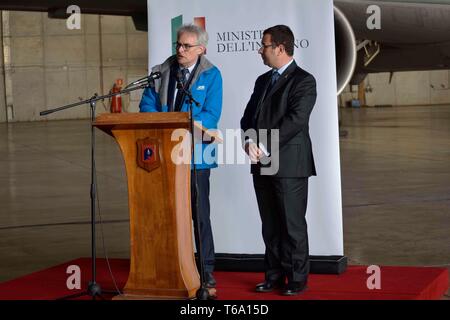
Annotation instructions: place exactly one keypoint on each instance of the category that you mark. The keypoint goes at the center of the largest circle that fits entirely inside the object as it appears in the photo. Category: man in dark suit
(281, 104)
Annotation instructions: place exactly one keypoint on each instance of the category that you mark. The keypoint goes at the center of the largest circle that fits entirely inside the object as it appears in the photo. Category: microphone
(153, 76)
(181, 81)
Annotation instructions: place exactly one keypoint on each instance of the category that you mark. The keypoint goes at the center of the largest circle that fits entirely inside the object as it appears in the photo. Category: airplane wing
(112, 7)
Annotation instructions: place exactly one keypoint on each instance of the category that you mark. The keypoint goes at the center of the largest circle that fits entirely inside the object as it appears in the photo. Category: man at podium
(189, 68)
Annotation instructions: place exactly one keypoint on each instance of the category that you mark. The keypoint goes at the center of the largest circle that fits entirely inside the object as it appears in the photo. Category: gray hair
(202, 35)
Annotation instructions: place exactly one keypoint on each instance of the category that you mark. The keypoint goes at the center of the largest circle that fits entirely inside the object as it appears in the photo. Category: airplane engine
(345, 49)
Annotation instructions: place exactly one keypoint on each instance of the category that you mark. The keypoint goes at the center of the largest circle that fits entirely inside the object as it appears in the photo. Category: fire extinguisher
(116, 101)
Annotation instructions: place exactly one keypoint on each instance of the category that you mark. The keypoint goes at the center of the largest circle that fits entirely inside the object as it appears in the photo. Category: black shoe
(294, 288)
(269, 285)
(210, 282)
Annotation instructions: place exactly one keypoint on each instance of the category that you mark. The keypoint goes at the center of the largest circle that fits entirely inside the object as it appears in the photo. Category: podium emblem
(148, 157)
(149, 152)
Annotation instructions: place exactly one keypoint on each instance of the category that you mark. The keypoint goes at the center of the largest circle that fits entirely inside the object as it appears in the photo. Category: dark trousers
(282, 205)
(203, 212)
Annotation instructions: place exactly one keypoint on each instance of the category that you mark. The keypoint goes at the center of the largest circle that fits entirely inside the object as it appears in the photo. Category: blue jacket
(206, 88)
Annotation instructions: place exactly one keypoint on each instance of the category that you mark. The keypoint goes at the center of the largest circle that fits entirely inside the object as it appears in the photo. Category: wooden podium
(162, 263)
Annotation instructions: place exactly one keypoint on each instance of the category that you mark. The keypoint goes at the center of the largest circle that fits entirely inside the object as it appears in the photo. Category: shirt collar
(283, 68)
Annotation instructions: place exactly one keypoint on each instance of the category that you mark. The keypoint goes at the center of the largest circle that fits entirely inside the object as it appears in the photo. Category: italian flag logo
(177, 22)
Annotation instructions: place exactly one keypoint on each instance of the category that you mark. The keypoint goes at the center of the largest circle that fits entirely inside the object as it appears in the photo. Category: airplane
(413, 35)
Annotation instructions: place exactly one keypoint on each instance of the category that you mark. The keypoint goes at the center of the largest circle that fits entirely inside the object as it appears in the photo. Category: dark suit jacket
(287, 107)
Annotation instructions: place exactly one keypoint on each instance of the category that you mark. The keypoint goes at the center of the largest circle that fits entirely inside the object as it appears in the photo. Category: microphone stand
(202, 292)
(94, 289)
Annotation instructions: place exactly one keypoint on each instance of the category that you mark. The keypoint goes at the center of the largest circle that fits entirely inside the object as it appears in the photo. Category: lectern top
(146, 120)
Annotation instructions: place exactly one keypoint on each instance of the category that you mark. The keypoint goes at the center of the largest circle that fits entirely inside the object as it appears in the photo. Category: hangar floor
(395, 185)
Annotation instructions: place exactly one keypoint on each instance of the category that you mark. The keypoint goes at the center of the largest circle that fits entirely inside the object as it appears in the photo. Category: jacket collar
(165, 67)
(281, 81)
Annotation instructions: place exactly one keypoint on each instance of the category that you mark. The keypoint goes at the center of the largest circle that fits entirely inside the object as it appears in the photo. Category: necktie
(273, 80)
(179, 97)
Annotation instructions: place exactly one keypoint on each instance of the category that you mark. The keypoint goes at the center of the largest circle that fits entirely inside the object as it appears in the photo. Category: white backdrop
(234, 28)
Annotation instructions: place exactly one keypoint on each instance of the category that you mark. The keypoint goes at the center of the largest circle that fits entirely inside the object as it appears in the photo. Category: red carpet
(404, 283)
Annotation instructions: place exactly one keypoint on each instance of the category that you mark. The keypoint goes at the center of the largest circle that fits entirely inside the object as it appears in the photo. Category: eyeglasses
(185, 46)
(263, 46)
